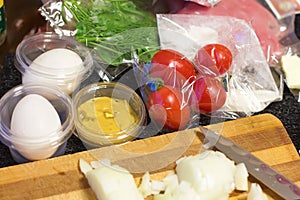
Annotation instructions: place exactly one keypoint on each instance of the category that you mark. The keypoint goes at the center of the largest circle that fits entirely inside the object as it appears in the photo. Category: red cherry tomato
(173, 68)
(213, 60)
(168, 108)
(210, 94)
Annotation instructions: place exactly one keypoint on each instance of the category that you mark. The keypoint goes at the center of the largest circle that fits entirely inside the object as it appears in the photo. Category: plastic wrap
(289, 65)
(288, 62)
(249, 83)
(207, 3)
(111, 29)
(282, 8)
(273, 34)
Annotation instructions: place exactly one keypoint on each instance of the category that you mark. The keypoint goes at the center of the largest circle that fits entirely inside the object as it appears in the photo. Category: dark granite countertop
(287, 110)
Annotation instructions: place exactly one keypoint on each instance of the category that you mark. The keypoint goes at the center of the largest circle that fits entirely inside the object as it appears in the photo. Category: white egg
(59, 58)
(60, 67)
(34, 119)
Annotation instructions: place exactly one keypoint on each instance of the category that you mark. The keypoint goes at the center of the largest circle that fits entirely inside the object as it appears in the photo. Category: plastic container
(94, 135)
(28, 149)
(66, 77)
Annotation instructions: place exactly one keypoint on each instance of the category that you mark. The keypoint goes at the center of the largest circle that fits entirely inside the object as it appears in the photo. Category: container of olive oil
(2, 23)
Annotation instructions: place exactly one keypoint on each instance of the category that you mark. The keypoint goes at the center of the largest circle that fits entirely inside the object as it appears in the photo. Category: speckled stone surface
(11, 77)
(287, 110)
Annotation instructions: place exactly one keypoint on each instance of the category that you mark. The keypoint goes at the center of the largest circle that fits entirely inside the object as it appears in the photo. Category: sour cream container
(26, 146)
(48, 58)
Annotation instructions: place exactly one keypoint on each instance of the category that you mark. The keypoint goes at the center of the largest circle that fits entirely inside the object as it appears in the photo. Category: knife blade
(278, 183)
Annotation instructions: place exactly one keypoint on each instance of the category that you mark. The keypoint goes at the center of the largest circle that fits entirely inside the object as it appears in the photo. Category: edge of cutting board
(60, 177)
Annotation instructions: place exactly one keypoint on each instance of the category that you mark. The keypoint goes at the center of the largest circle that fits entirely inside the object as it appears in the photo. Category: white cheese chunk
(84, 166)
(241, 177)
(210, 173)
(291, 69)
(148, 187)
(111, 182)
(256, 193)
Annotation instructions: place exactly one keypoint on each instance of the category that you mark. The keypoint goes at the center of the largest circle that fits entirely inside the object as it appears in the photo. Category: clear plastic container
(68, 78)
(25, 149)
(94, 135)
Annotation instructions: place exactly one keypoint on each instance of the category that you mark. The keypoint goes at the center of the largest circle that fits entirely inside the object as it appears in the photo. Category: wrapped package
(273, 33)
(111, 29)
(248, 85)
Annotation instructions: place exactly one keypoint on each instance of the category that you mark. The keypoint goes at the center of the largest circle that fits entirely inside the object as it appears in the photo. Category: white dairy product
(291, 68)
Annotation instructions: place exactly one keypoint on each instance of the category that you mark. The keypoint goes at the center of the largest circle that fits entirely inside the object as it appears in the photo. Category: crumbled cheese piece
(291, 68)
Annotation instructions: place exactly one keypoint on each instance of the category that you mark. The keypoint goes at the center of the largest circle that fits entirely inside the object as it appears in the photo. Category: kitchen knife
(256, 167)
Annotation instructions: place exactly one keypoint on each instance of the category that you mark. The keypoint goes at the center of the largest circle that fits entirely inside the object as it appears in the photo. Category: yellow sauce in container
(107, 115)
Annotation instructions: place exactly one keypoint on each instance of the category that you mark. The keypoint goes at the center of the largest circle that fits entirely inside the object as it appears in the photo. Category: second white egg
(34, 117)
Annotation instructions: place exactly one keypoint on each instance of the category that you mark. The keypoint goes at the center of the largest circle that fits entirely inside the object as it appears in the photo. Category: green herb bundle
(114, 28)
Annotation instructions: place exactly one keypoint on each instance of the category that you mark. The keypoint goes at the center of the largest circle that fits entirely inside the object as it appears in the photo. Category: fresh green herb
(114, 28)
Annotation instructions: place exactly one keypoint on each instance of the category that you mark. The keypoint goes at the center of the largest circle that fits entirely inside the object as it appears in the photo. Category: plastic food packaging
(249, 83)
(206, 3)
(289, 66)
(110, 41)
(273, 34)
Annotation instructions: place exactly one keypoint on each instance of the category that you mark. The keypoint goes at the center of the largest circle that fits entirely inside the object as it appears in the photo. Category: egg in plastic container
(52, 59)
(35, 122)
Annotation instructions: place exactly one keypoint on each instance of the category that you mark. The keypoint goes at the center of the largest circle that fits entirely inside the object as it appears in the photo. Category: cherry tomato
(173, 68)
(210, 94)
(168, 108)
(213, 60)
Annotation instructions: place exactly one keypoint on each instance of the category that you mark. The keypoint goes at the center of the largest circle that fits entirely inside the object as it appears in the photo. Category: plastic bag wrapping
(207, 3)
(61, 24)
(282, 8)
(249, 83)
(289, 65)
(273, 34)
(110, 41)
(285, 14)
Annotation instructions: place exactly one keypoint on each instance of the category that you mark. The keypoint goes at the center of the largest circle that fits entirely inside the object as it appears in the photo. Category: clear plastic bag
(289, 65)
(249, 84)
(206, 3)
(111, 29)
(273, 33)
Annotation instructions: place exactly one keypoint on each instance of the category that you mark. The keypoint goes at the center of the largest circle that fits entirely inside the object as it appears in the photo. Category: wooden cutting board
(60, 178)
